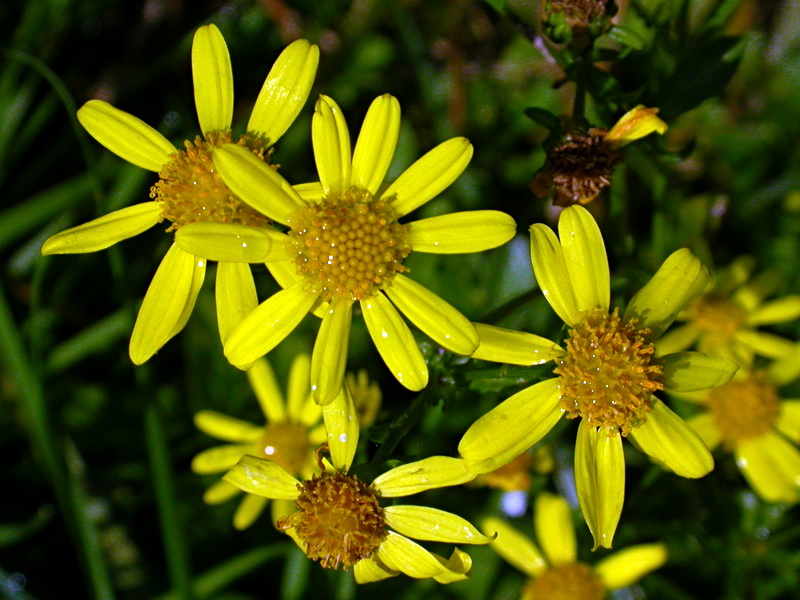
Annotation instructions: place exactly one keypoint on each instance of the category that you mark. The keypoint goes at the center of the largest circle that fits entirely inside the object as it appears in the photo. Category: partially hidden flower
(190, 190)
(367, 396)
(515, 476)
(607, 374)
(340, 521)
(748, 418)
(345, 245)
(554, 571)
(580, 166)
(292, 432)
(725, 320)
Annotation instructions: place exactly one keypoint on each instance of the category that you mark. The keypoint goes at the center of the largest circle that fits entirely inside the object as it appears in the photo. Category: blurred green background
(97, 496)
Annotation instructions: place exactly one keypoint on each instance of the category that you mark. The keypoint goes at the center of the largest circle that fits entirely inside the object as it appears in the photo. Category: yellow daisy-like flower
(190, 190)
(292, 432)
(725, 319)
(339, 519)
(367, 396)
(748, 418)
(555, 572)
(607, 374)
(345, 245)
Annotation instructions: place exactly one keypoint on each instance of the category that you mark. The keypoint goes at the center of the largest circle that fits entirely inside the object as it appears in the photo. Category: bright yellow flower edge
(171, 295)
(268, 192)
(397, 554)
(574, 276)
(556, 535)
(297, 410)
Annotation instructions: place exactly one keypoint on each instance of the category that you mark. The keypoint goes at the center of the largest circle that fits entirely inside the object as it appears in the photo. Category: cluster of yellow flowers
(338, 241)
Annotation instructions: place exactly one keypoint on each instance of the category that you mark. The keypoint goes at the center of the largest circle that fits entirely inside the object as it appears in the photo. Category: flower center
(192, 190)
(348, 245)
(285, 443)
(609, 373)
(716, 314)
(744, 408)
(338, 519)
(574, 581)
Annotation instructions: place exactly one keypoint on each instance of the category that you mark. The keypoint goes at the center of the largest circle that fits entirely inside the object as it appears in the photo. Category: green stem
(400, 428)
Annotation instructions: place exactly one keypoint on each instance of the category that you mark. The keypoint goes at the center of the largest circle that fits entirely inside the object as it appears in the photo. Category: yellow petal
(461, 232)
(376, 143)
(235, 296)
(771, 466)
(329, 358)
(167, 304)
(515, 548)
(691, 371)
(409, 557)
(786, 369)
(551, 273)
(552, 521)
(331, 145)
(789, 420)
(255, 182)
(226, 428)
(634, 124)
(600, 481)
(126, 136)
(268, 324)
(372, 569)
(310, 192)
(429, 175)
(765, 344)
(585, 258)
(341, 424)
(776, 311)
(105, 231)
(395, 342)
(268, 393)
(426, 474)
(231, 242)
(512, 427)
(250, 508)
(436, 318)
(263, 478)
(514, 347)
(284, 92)
(298, 392)
(457, 567)
(667, 438)
(706, 427)
(220, 492)
(677, 281)
(219, 458)
(432, 524)
(676, 339)
(213, 80)
(628, 566)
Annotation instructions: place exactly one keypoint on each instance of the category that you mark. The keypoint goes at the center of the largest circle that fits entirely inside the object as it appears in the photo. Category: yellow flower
(190, 191)
(606, 375)
(367, 396)
(748, 418)
(339, 520)
(292, 431)
(345, 244)
(725, 319)
(555, 572)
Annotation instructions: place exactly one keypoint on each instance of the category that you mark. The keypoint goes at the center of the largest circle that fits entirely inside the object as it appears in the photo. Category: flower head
(725, 320)
(292, 431)
(190, 191)
(749, 419)
(345, 244)
(340, 520)
(606, 375)
(555, 573)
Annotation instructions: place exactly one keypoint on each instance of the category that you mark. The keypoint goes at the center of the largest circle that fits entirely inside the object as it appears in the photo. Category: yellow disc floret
(338, 519)
(609, 372)
(716, 314)
(285, 443)
(574, 581)
(348, 245)
(192, 190)
(744, 408)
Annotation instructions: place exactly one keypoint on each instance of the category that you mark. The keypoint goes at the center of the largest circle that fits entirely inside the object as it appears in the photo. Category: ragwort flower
(339, 519)
(345, 245)
(748, 418)
(292, 431)
(555, 572)
(607, 374)
(725, 319)
(190, 190)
